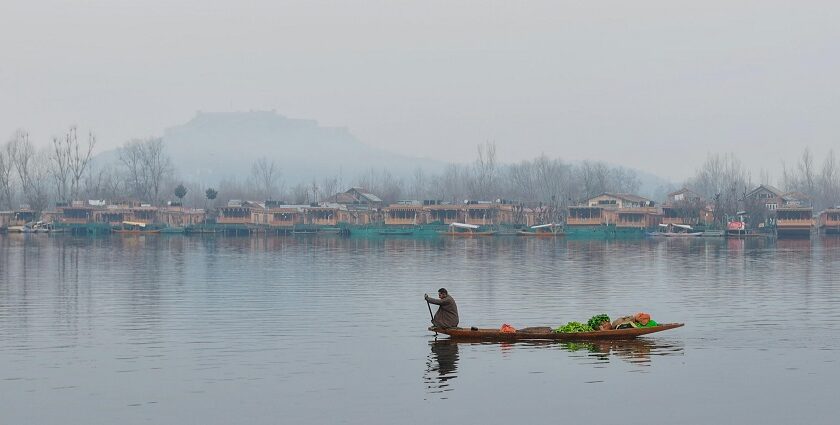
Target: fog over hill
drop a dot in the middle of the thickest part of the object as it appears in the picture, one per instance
(214, 146)
(218, 145)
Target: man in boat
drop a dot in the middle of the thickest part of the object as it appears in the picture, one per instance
(447, 314)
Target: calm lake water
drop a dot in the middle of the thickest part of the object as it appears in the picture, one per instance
(302, 330)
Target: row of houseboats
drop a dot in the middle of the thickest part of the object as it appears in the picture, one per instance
(358, 213)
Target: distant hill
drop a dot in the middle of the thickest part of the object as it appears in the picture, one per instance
(219, 145)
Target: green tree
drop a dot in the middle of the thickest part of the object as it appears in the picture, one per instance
(181, 192)
(211, 194)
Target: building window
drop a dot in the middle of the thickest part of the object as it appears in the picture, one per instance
(771, 207)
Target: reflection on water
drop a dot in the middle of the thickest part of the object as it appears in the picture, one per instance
(637, 351)
(441, 365)
(443, 359)
(219, 330)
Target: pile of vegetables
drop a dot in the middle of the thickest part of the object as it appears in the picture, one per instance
(592, 325)
(596, 320)
(573, 327)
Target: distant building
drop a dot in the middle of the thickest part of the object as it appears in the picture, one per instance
(356, 197)
(618, 201)
(683, 195)
(766, 195)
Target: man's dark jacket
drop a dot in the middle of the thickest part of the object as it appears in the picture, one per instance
(447, 314)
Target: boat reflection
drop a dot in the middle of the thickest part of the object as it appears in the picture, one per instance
(441, 365)
(442, 362)
(637, 351)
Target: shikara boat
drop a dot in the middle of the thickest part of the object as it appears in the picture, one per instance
(544, 230)
(400, 231)
(134, 228)
(497, 335)
(676, 231)
(466, 230)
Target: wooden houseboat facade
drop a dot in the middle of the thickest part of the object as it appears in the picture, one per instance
(829, 221)
(793, 222)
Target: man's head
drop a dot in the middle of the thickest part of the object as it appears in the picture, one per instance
(442, 293)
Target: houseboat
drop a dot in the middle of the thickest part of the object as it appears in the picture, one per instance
(830, 221)
(635, 221)
(794, 222)
(588, 222)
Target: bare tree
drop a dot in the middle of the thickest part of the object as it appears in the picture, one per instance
(724, 179)
(131, 156)
(31, 171)
(60, 166)
(315, 190)
(6, 176)
(79, 159)
(158, 165)
(266, 176)
(329, 186)
(418, 184)
(147, 168)
(829, 182)
(483, 181)
(102, 183)
(300, 194)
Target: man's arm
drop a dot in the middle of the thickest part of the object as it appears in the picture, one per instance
(437, 301)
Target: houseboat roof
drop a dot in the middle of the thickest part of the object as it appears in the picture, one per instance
(643, 210)
(767, 187)
(623, 196)
(445, 207)
(791, 208)
(296, 208)
(542, 226)
(683, 190)
(410, 207)
(134, 223)
(464, 225)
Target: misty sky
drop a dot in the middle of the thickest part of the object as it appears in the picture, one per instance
(653, 85)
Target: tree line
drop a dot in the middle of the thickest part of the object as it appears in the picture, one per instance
(67, 170)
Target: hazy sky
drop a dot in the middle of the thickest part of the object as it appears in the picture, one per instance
(649, 84)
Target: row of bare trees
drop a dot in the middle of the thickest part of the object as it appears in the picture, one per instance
(820, 182)
(142, 170)
(65, 171)
(26, 172)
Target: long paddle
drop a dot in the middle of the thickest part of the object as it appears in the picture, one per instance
(430, 313)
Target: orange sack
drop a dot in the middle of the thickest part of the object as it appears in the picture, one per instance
(642, 318)
(508, 329)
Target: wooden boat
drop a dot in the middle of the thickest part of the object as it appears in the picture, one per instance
(497, 335)
(134, 228)
(395, 232)
(467, 230)
(135, 231)
(676, 231)
(173, 230)
(544, 230)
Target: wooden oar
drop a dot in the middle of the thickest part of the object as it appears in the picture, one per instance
(430, 313)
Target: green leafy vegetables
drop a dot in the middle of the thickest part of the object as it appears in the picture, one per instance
(573, 327)
(592, 325)
(596, 320)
